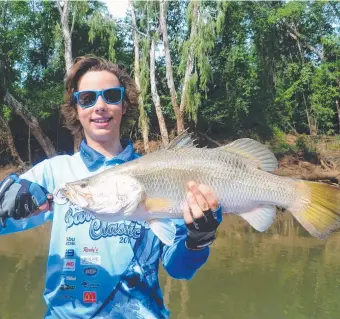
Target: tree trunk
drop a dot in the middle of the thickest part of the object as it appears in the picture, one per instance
(168, 64)
(143, 118)
(63, 7)
(10, 142)
(32, 123)
(296, 35)
(190, 60)
(29, 147)
(155, 97)
(312, 121)
(337, 104)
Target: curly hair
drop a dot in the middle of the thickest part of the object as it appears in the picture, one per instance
(89, 63)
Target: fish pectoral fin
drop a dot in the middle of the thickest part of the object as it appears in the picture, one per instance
(157, 205)
(164, 229)
(258, 153)
(261, 217)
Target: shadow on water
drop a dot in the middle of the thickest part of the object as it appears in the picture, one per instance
(283, 273)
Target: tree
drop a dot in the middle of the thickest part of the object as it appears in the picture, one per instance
(169, 73)
(64, 8)
(148, 30)
(143, 119)
(154, 93)
(7, 137)
(17, 11)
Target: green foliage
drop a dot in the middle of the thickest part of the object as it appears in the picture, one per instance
(278, 144)
(250, 76)
(6, 112)
(306, 145)
(104, 27)
(200, 44)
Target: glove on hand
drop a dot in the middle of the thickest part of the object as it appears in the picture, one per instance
(202, 232)
(19, 198)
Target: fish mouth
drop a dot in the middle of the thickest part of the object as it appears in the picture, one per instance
(78, 197)
(66, 194)
(61, 196)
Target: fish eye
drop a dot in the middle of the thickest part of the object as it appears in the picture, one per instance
(83, 185)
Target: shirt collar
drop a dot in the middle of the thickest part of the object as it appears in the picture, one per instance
(93, 159)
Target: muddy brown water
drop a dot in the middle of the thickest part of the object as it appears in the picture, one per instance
(283, 273)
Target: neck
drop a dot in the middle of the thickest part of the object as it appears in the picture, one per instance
(107, 148)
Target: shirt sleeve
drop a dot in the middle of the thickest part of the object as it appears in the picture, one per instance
(38, 174)
(179, 261)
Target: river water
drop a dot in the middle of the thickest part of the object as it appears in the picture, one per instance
(283, 273)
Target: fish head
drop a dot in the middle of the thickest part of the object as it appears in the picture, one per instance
(114, 194)
(79, 193)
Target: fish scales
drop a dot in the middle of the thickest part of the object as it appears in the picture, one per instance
(154, 188)
(168, 171)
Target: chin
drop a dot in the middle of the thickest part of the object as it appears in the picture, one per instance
(104, 136)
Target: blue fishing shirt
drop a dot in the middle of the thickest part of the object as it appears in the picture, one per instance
(97, 269)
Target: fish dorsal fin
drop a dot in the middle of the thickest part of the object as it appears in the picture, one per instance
(259, 154)
(261, 217)
(183, 140)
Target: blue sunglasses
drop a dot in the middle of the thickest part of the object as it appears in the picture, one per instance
(89, 98)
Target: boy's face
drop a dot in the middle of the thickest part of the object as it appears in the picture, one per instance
(101, 122)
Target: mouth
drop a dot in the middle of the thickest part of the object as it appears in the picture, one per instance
(78, 198)
(101, 120)
(60, 196)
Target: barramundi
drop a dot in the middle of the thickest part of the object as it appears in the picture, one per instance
(241, 174)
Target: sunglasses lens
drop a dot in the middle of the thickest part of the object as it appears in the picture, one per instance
(87, 98)
(113, 95)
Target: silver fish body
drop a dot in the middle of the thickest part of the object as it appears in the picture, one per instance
(238, 185)
(154, 187)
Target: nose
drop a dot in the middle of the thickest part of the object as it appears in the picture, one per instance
(100, 105)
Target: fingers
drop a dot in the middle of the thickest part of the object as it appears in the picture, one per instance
(38, 193)
(209, 196)
(200, 198)
(44, 207)
(186, 214)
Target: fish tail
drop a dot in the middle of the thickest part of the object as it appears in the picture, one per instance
(317, 208)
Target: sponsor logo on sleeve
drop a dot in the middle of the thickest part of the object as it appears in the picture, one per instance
(90, 260)
(69, 265)
(93, 250)
(90, 284)
(69, 278)
(69, 253)
(67, 287)
(90, 271)
(89, 296)
(70, 241)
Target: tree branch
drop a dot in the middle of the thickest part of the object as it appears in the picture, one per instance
(59, 7)
(134, 29)
(296, 35)
(74, 13)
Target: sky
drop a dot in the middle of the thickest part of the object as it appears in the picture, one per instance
(117, 7)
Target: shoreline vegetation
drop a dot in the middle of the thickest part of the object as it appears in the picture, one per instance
(307, 157)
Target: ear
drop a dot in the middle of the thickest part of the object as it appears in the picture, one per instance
(124, 108)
